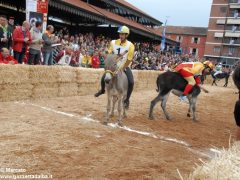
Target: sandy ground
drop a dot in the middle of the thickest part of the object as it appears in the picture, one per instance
(62, 136)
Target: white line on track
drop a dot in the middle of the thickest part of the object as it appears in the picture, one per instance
(148, 134)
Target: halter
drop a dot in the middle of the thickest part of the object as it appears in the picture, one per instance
(118, 59)
(111, 72)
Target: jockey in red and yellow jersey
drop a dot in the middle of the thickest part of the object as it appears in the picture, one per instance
(191, 71)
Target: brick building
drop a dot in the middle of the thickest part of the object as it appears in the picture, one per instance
(192, 39)
(223, 37)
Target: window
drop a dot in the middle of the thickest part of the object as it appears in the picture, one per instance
(194, 51)
(216, 49)
(179, 38)
(218, 38)
(223, 9)
(231, 51)
(195, 40)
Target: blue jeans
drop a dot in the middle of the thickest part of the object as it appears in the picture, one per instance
(19, 56)
(48, 58)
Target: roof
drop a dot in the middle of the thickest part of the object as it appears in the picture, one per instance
(108, 15)
(185, 30)
(129, 6)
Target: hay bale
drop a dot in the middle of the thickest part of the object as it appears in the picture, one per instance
(66, 74)
(43, 74)
(86, 75)
(15, 92)
(224, 166)
(68, 89)
(87, 89)
(14, 74)
(45, 90)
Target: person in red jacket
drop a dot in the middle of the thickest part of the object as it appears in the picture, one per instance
(21, 40)
(95, 60)
(5, 57)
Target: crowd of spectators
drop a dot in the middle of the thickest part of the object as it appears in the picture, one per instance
(29, 45)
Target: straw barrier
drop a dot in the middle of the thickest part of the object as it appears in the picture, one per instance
(20, 82)
(29, 82)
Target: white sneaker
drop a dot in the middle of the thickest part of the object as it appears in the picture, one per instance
(184, 99)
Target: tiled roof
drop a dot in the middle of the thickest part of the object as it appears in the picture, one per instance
(185, 30)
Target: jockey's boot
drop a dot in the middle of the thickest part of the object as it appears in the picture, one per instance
(126, 103)
(99, 93)
(183, 98)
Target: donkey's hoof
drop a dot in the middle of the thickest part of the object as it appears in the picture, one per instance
(120, 124)
(125, 116)
(188, 115)
(105, 123)
(168, 118)
(151, 118)
(195, 120)
(111, 115)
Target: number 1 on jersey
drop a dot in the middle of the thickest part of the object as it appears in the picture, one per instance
(118, 50)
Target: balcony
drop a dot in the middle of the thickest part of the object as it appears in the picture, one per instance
(233, 21)
(233, 1)
(218, 35)
(235, 6)
(232, 29)
(232, 34)
(221, 21)
(232, 42)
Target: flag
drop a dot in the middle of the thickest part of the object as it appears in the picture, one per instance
(163, 39)
(163, 42)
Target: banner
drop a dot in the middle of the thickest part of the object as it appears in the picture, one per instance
(38, 10)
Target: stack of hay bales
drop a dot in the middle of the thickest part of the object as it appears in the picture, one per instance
(45, 81)
(67, 79)
(14, 82)
(224, 166)
(145, 80)
(88, 80)
(23, 82)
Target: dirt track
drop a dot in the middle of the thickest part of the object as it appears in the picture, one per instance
(69, 146)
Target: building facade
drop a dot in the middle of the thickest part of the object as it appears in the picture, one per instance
(192, 39)
(223, 37)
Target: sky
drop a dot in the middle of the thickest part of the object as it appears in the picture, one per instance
(179, 12)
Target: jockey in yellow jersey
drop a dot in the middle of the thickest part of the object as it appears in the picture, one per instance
(120, 46)
(191, 72)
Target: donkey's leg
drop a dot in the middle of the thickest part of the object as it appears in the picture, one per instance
(114, 100)
(124, 109)
(193, 107)
(153, 103)
(120, 115)
(189, 111)
(108, 110)
(164, 102)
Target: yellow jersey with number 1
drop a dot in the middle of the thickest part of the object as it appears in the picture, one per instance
(117, 48)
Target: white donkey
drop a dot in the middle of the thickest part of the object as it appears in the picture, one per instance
(117, 86)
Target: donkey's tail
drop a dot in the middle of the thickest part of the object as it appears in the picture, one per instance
(158, 86)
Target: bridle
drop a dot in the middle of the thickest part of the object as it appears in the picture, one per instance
(114, 73)
(111, 72)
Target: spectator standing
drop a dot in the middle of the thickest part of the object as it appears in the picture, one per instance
(21, 40)
(95, 60)
(49, 39)
(87, 60)
(36, 45)
(3, 32)
(11, 24)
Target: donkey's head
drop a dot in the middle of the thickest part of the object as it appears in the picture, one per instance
(111, 67)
